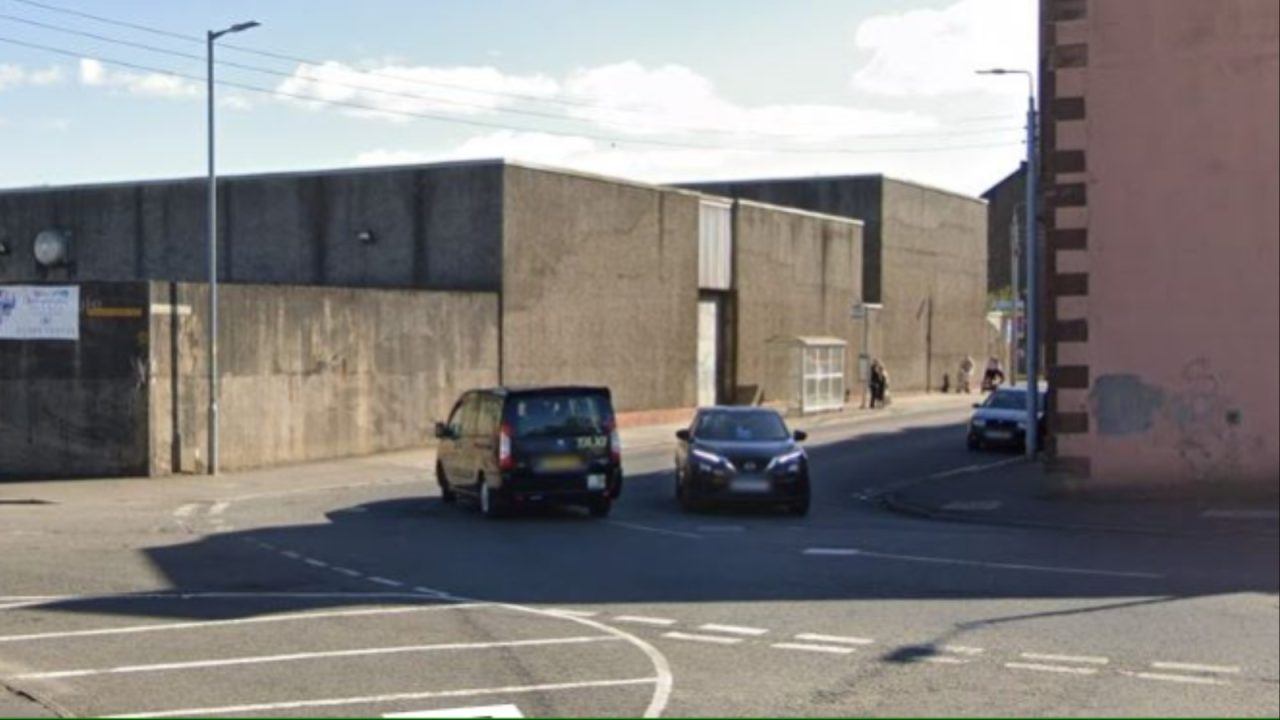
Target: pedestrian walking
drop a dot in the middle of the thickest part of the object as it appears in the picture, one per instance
(966, 375)
(879, 384)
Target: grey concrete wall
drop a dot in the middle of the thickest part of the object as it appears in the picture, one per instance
(924, 257)
(795, 273)
(311, 373)
(600, 286)
(857, 197)
(935, 287)
(72, 408)
(435, 227)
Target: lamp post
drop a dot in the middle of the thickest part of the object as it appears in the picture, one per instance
(212, 230)
(1033, 302)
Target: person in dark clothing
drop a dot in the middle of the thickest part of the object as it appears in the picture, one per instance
(879, 384)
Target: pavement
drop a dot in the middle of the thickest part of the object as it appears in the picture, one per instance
(348, 588)
(1009, 490)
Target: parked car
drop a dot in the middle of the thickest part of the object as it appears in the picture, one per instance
(741, 456)
(1001, 419)
(505, 448)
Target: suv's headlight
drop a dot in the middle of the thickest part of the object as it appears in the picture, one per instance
(979, 422)
(711, 460)
(789, 460)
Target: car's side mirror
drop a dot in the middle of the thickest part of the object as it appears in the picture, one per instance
(443, 432)
(683, 435)
(977, 405)
(800, 435)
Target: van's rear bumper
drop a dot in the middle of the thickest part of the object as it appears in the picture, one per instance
(567, 488)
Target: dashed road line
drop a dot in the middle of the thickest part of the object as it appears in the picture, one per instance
(396, 697)
(1195, 667)
(943, 660)
(657, 530)
(810, 647)
(694, 637)
(385, 581)
(815, 637)
(219, 507)
(1169, 677)
(733, 629)
(346, 571)
(318, 655)
(645, 620)
(132, 629)
(1052, 668)
(964, 649)
(186, 510)
(855, 552)
(291, 554)
(573, 613)
(1090, 659)
(316, 563)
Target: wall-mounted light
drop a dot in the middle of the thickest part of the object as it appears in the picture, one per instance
(366, 237)
(51, 248)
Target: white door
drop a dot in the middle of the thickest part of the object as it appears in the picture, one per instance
(708, 326)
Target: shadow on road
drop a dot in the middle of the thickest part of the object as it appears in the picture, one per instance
(562, 557)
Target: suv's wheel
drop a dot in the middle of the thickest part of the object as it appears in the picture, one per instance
(447, 495)
(599, 507)
(491, 503)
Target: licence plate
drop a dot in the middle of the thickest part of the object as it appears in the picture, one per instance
(749, 485)
(560, 463)
(595, 482)
(1000, 435)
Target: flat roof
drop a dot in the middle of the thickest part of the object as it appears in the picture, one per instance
(881, 177)
(363, 170)
(847, 219)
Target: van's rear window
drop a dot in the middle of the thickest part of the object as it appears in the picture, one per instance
(550, 415)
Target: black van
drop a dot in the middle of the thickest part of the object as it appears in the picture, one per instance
(508, 447)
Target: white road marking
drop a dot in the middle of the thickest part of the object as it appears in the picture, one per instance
(943, 660)
(813, 648)
(186, 510)
(1091, 659)
(346, 571)
(1191, 679)
(854, 552)
(129, 630)
(291, 554)
(721, 528)
(972, 468)
(385, 581)
(1195, 667)
(964, 649)
(1228, 514)
(316, 563)
(973, 505)
(573, 613)
(1052, 668)
(658, 530)
(733, 629)
(814, 637)
(478, 711)
(397, 697)
(318, 655)
(644, 620)
(219, 507)
(715, 639)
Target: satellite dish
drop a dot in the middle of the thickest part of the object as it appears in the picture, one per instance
(50, 248)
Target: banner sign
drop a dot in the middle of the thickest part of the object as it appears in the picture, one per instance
(39, 312)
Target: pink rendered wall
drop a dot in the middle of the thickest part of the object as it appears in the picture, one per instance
(1183, 305)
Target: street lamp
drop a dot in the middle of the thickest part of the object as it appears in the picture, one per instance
(210, 37)
(1033, 302)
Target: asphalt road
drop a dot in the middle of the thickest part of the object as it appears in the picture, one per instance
(356, 592)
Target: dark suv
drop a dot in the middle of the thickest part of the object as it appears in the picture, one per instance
(509, 447)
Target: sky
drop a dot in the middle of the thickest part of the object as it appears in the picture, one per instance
(650, 90)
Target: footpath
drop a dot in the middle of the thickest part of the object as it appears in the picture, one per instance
(1009, 490)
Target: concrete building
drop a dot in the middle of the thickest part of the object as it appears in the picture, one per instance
(924, 258)
(1161, 173)
(360, 302)
(1006, 211)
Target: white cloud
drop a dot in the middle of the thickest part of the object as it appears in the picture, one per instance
(13, 76)
(391, 91)
(94, 74)
(935, 52)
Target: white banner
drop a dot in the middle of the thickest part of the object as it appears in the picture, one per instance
(39, 312)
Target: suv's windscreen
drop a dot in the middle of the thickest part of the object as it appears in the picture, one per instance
(550, 415)
(740, 426)
(1009, 400)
